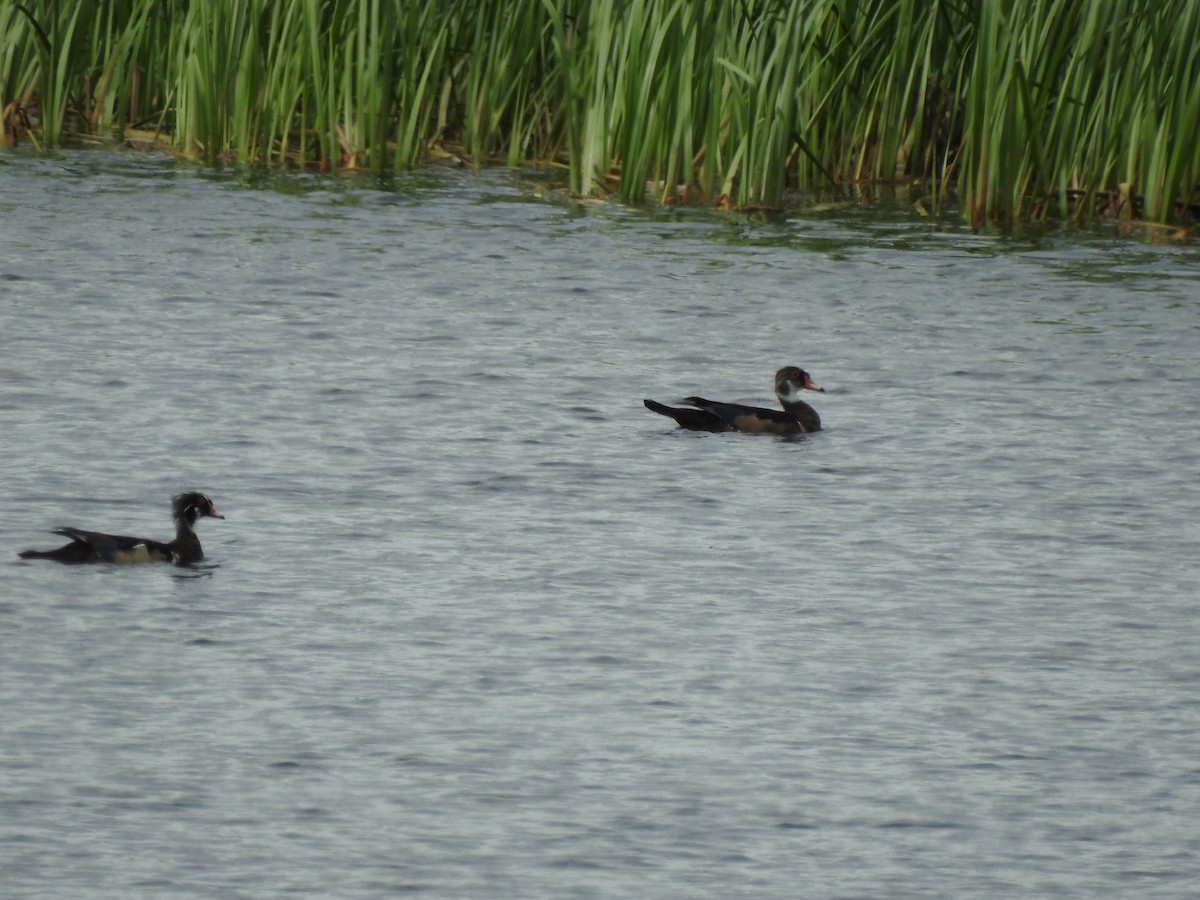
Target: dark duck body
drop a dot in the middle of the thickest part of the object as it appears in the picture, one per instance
(95, 546)
(796, 417)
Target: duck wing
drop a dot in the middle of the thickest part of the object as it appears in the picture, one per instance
(113, 548)
(750, 419)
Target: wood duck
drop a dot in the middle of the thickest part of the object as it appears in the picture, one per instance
(796, 417)
(94, 546)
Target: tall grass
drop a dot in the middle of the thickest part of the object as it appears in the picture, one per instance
(1015, 108)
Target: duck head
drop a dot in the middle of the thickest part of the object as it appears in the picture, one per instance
(790, 380)
(192, 505)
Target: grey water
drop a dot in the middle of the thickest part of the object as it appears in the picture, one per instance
(478, 624)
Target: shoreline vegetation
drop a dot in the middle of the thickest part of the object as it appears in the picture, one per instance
(1006, 109)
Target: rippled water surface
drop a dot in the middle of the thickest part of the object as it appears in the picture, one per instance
(478, 624)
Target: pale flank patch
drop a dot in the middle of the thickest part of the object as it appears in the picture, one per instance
(139, 554)
(755, 425)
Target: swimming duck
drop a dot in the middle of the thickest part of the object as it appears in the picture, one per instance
(94, 546)
(796, 417)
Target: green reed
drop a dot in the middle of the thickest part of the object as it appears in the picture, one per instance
(1011, 108)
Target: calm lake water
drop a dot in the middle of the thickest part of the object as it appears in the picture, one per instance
(478, 624)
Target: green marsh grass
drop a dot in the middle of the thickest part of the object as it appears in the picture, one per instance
(1011, 109)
